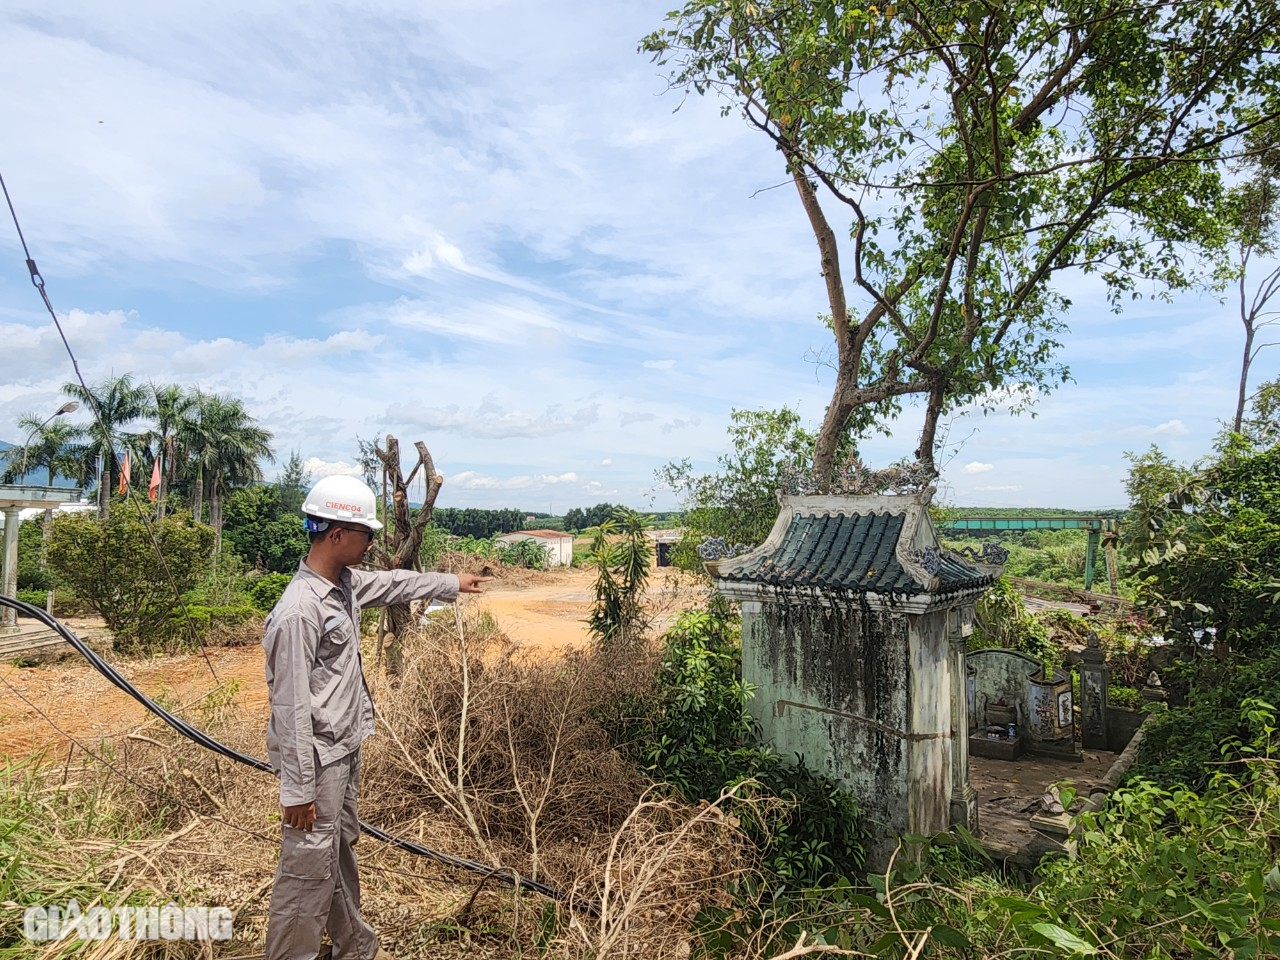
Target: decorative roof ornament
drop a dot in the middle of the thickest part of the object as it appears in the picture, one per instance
(715, 548)
(991, 554)
(930, 558)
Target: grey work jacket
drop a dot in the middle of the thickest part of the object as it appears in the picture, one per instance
(320, 705)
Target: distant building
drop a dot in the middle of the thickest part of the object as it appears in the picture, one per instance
(557, 543)
(664, 542)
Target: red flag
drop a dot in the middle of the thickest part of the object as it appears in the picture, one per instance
(124, 474)
(154, 490)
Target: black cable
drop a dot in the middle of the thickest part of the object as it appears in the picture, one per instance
(203, 739)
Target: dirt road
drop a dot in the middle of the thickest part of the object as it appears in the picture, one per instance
(545, 611)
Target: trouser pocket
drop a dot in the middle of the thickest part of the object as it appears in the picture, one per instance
(309, 855)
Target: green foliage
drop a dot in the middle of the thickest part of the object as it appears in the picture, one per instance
(1001, 620)
(985, 154)
(1127, 698)
(32, 573)
(263, 530)
(292, 484)
(112, 564)
(202, 617)
(580, 518)
(480, 524)
(1184, 745)
(434, 543)
(699, 738)
(266, 591)
(739, 502)
(34, 597)
(530, 554)
(621, 555)
(1195, 857)
(1211, 550)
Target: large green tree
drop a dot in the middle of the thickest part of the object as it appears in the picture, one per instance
(982, 152)
(1208, 539)
(114, 404)
(226, 445)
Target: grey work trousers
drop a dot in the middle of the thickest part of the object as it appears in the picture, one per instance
(317, 887)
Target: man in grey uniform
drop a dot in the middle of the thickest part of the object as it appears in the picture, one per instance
(321, 712)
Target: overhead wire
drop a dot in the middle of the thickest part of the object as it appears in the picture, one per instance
(37, 280)
(181, 726)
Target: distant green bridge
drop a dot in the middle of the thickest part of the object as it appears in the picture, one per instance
(1103, 532)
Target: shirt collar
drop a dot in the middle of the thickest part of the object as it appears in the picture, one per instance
(321, 586)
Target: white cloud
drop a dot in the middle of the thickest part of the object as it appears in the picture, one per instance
(1000, 488)
(325, 468)
(680, 423)
(1172, 428)
(977, 466)
(472, 480)
(659, 364)
(607, 462)
(492, 420)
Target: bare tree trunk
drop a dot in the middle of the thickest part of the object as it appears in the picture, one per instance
(197, 496)
(402, 538)
(105, 479)
(215, 512)
(929, 432)
(1243, 394)
(838, 413)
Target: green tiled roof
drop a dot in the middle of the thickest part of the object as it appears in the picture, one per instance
(856, 552)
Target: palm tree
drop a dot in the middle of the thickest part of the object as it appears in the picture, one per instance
(225, 444)
(114, 403)
(52, 445)
(173, 409)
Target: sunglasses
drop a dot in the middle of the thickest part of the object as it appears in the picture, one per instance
(365, 530)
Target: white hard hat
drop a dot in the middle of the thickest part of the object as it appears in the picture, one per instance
(342, 498)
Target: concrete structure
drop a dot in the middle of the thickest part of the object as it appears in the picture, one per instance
(664, 542)
(1041, 709)
(854, 631)
(13, 500)
(557, 543)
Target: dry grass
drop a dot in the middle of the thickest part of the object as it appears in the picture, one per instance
(482, 752)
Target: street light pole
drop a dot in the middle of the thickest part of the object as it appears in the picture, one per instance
(71, 406)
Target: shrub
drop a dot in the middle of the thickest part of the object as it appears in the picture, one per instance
(523, 553)
(699, 738)
(218, 623)
(1184, 744)
(266, 591)
(112, 564)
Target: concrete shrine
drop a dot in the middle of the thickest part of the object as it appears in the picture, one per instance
(854, 627)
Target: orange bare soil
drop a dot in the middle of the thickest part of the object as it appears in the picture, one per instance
(543, 611)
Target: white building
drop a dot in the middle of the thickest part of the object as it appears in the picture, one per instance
(557, 543)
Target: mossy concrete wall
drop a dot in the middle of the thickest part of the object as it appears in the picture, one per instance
(864, 697)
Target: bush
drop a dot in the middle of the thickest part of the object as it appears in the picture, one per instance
(112, 564)
(699, 738)
(34, 597)
(266, 591)
(1184, 744)
(218, 623)
(530, 554)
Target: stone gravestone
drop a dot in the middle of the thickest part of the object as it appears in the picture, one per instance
(854, 632)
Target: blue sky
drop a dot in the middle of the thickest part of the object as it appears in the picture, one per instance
(483, 225)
